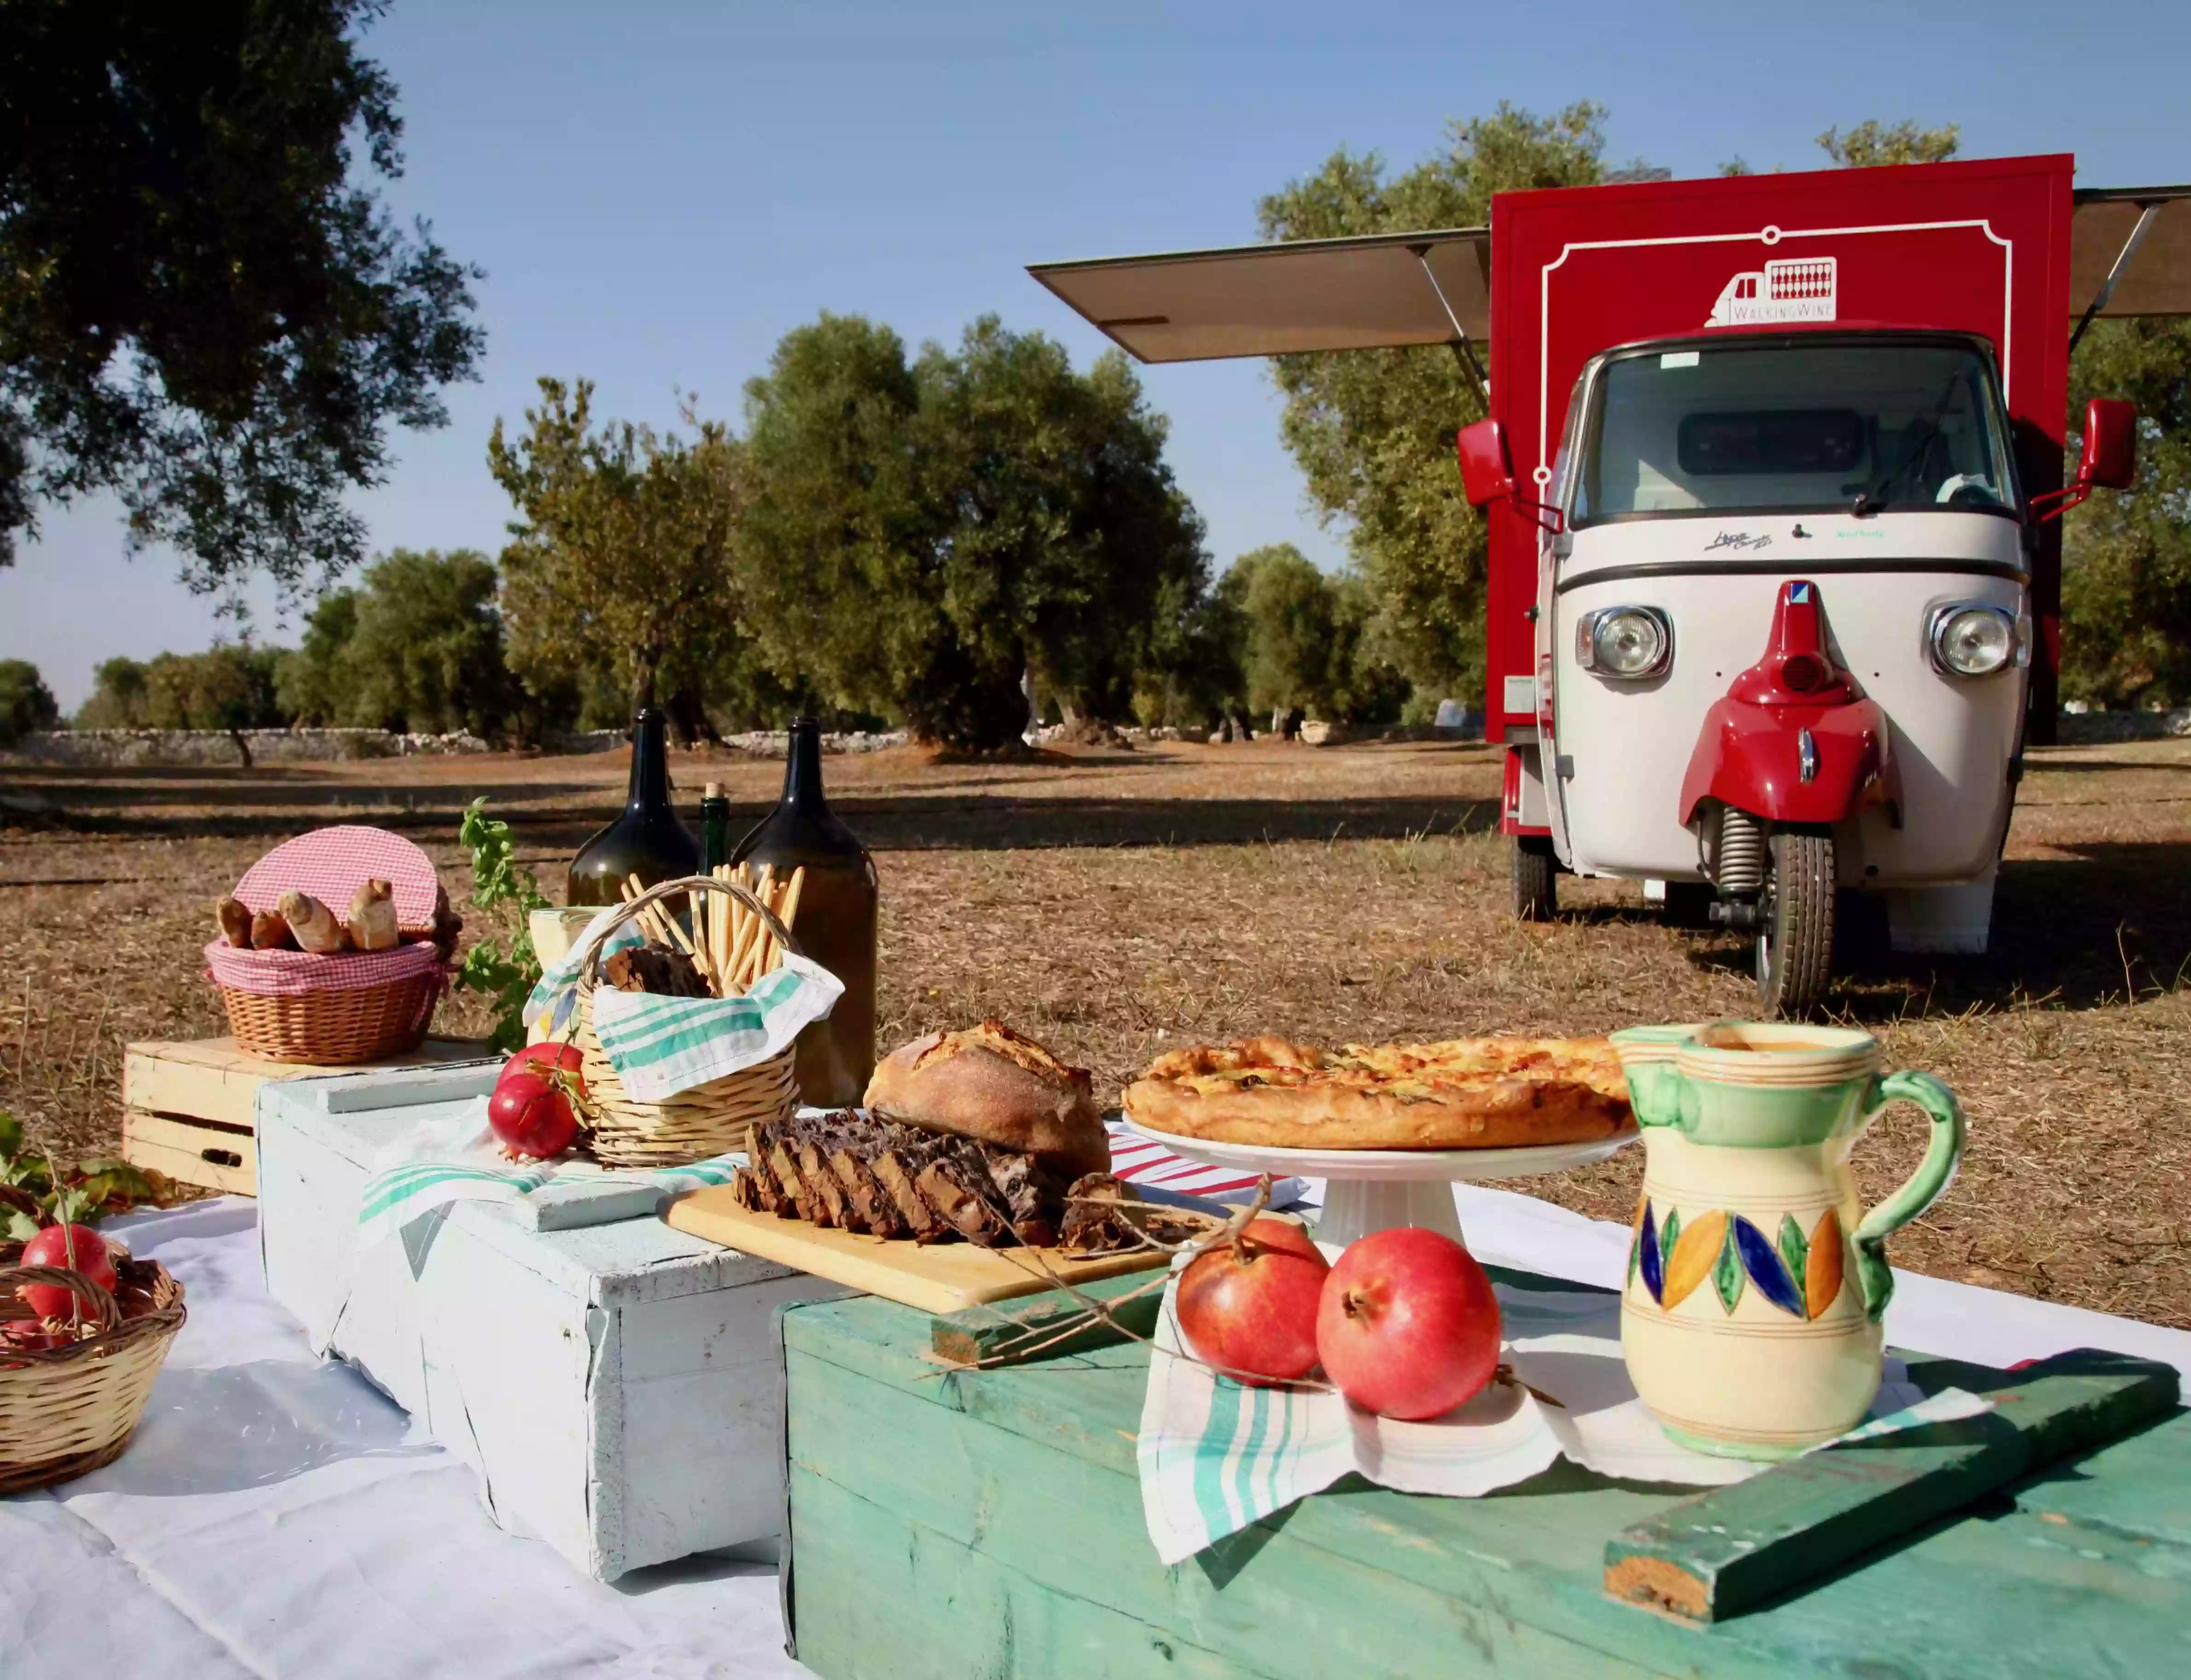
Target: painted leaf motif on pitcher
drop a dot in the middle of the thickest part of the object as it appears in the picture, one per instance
(1726, 1269)
(1693, 1256)
(1822, 1271)
(1765, 1269)
(1795, 1249)
(1646, 1252)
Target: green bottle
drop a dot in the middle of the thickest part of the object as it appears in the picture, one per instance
(647, 840)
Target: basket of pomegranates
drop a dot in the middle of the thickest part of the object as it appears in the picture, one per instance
(83, 1331)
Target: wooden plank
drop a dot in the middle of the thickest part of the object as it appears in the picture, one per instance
(1025, 1329)
(944, 1277)
(192, 1167)
(219, 1157)
(1730, 1550)
(1033, 1465)
(210, 1079)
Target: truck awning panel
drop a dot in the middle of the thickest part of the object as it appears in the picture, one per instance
(2141, 236)
(1435, 287)
(1259, 300)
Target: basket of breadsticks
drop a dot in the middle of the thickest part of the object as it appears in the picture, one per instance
(684, 1002)
(333, 948)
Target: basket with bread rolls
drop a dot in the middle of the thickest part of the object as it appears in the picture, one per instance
(333, 948)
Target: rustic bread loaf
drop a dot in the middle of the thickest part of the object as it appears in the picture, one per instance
(990, 1084)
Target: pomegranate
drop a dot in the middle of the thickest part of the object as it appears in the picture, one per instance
(1408, 1327)
(541, 1058)
(531, 1116)
(77, 1247)
(1250, 1306)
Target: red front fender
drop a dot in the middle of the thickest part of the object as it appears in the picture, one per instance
(1751, 756)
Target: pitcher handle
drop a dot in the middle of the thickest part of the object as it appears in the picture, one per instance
(1944, 1153)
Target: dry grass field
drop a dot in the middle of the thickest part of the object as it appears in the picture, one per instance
(1118, 903)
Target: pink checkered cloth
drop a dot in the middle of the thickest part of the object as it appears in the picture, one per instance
(332, 863)
(291, 974)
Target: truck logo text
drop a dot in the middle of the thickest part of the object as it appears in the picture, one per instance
(1791, 288)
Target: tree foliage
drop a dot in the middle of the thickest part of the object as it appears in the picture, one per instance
(620, 557)
(417, 647)
(25, 702)
(1310, 640)
(2126, 555)
(229, 687)
(1373, 431)
(922, 534)
(1871, 144)
(203, 305)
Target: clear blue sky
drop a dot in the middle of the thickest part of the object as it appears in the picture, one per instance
(658, 190)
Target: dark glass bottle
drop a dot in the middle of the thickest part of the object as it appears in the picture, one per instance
(714, 827)
(836, 924)
(647, 840)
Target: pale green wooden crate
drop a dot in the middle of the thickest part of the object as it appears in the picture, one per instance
(989, 1523)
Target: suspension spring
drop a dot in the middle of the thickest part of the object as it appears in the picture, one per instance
(1739, 866)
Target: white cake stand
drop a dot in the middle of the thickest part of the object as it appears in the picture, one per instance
(1368, 1190)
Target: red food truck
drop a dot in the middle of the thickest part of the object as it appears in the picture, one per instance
(1771, 466)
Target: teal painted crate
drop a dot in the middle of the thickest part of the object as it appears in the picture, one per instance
(989, 1523)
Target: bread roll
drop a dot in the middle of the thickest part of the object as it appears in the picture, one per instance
(990, 1084)
(269, 932)
(313, 923)
(235, 923)
(372, 916)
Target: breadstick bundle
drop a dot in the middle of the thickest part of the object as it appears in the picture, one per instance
(729, 949)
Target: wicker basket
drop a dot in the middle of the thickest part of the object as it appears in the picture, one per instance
(67, 1410)
(335, 1028)
(708, 1120)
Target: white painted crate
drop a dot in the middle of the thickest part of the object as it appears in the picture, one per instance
(617, 1387)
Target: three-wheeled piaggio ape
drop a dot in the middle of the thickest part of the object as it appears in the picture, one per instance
(1771, 466)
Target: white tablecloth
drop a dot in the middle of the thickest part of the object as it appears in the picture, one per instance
(276, 1517)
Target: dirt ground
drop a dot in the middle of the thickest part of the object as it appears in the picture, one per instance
(1116, 904)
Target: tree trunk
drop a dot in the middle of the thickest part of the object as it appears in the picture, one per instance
(242, 746)
(645, 668)
(690, 720)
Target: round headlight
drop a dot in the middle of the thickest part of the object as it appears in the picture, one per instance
(1629, 642)
(1974, 641)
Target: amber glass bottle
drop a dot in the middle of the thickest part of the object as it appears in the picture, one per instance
(647, 840)
(836, 924)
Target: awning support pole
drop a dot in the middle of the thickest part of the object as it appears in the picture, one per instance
(2146, 214)
(1464, 352)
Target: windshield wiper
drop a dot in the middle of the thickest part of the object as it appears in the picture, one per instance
(1873, 497)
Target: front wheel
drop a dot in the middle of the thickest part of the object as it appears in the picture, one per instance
(1795, 925)
(1536, 878)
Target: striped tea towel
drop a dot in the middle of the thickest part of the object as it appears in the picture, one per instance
(456, 1159)
(1136, 1160)
(1216, 1456)
(660, 1046)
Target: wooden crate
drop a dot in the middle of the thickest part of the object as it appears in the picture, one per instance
(990, 1522)
(188, 1107)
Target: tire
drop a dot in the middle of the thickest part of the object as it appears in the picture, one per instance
(1688, 904)
(1536, 878)
(1795, 926)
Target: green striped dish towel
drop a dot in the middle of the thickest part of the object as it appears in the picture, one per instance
(660, 1046)
(1216, 1456)
(456, 1159)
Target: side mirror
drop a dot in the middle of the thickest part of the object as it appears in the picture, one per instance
(2110, 454)
(1486, 470)
(2108, 461)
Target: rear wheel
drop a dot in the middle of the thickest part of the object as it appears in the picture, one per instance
(1536, 878)
(1795, 925)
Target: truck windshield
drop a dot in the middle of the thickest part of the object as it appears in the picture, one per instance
(1862, 425)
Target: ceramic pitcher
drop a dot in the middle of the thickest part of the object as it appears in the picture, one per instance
(1756, 1281)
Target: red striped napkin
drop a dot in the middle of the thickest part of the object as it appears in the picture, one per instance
(1136, 1160)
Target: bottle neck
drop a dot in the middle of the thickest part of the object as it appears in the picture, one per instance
(650, 765)
(802, 769)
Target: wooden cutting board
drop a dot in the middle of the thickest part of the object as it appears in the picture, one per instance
(944, 1277)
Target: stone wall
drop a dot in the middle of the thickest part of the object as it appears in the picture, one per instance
(108, 749)
(2093, 728)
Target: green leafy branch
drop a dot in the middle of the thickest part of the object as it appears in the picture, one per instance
(510, 894)
(35, 1193)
